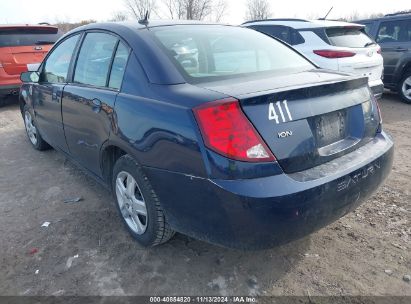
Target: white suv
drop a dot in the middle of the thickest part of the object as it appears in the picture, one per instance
(333, 45)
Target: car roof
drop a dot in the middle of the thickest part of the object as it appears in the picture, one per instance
(155, 62)
(303, 24)
(389, 17)
(30, 26)
(135, 25)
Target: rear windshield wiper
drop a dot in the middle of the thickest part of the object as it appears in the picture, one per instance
(44, 42)
(369, 44)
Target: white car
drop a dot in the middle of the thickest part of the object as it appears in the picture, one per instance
(333, 45)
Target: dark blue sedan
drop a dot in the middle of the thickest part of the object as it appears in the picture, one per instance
(217, 132)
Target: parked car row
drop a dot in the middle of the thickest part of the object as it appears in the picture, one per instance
(340, 46)
(218, 132)
(332, 45)
(346, 47)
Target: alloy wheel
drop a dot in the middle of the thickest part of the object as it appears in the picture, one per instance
(131, 202)
(30, 128)
(406, 88)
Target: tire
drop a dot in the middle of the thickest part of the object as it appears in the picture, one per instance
(404, 87)
(152, 228)
(32, 132)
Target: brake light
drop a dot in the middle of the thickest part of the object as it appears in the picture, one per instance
(377, 105)
(227, 131)
(333, 54)
(379, 110)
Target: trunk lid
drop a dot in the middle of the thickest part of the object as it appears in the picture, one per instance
(311, 118)
(15, 59)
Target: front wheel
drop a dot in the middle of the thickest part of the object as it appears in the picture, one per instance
(405, 87)
(32, 132)
(138, 205)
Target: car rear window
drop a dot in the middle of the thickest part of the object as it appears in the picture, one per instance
(205, 53)
(348, 37)
(28, 36)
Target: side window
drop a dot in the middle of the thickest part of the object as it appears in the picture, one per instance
(58, 62)
(284, 33)
(119, 66)
(393, 31)
(277, 31)
(296, 37)
(94, 59)
(367, 28)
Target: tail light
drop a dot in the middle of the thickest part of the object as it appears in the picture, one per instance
(379, 111)
(379, 50)
(227, 131)
(333, 54)
(375, 101)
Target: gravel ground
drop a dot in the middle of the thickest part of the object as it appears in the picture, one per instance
(86, 251)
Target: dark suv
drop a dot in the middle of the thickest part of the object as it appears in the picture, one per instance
(393, 33)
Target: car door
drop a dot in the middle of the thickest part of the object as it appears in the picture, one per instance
(47, 93)
(393, 37)
(88, 101)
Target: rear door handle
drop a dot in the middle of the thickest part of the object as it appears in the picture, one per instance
(96, 105)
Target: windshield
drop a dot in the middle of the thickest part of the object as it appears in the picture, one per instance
(348, 37)
(208, 52)
(28, 36)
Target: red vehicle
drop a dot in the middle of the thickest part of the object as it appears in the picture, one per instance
(21, 45)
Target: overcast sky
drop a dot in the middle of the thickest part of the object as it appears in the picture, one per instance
(34, 11)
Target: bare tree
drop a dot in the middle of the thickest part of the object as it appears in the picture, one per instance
(258, 9)
(175, 8)
(355, 15)
(195, 9)
(139, 8)
(65, 26)
(219, 10)
(119, 16)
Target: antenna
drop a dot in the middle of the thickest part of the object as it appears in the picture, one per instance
(325, 17)
(145, 20)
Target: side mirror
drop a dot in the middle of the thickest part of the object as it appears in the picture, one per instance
(30, 77)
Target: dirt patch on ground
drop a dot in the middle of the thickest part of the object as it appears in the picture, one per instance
(86, 251)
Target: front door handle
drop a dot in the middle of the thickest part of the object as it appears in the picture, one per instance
(96, 105)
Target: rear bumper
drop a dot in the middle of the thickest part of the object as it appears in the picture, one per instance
(269, 211)
(9, 84)
(6, 90)
(377, 88)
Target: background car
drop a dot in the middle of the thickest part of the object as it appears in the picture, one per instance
(333, 45)
(393, 34)
(21, 45)
(217, 132)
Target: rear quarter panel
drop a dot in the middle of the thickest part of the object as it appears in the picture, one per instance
(158, 134)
